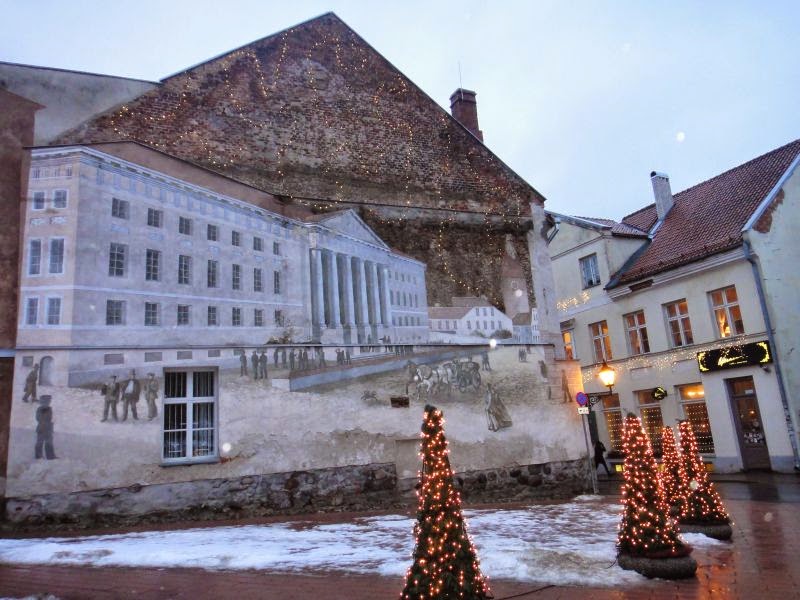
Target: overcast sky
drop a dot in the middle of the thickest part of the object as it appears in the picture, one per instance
(583, 99)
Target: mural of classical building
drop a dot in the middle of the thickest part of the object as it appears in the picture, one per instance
(229, 272)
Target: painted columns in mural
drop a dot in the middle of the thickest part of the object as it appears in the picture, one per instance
(346, 290)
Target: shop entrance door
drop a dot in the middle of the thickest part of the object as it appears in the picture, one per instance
(749, 427)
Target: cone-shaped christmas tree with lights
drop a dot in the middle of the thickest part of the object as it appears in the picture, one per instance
(673, 476)
(703, 511)
(648, 541)
(445, 561)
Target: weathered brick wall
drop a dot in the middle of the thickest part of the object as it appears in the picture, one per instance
(315, 113)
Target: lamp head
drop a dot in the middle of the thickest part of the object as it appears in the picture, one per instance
(607, 375)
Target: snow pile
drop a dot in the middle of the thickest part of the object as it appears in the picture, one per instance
(560, 544)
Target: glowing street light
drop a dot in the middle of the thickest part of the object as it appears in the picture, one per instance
(607, 376)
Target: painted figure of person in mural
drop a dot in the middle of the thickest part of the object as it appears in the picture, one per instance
(284, 362)
(44, 430)
(485, 361)
(292, 359)
(254, 363)
(262, 365)
(275, 358)
(496, 412)
(30, 384)
(110, 393)
(131, 392)
(243, 364)
(151, 395)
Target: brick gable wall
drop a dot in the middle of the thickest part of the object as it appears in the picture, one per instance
(315, 113)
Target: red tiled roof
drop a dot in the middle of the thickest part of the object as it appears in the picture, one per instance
(623, 229)
(708, 218)
(643, 219)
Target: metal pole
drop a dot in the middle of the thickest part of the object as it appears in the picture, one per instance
(592, 468)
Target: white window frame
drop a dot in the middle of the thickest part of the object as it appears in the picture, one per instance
(236, 237)
(39, 260)
(188, 312)
(212, 228)
(602, 338)
(686, 401)
(158, 221)
(680, 319)
(236, 276)
(258, 279)
(637, 330)
(38, 194)
(726, 306)
(157, 321)
(123, 208)
(215, 311)
(589, 277)
(47, 310)
(66, 198)
(236, 316)
(190, 401)
(50, 255)
(26, 318)
(152, 268)
(258, 244)
(113, 266)
(276, 248)
(258, 317)
(122, 311)
(184, 269)
(570, 351)
(185, 223)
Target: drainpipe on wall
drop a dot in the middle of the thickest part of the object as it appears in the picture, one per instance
(762, 300)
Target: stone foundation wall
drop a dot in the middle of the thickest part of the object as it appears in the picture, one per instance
(350, 488)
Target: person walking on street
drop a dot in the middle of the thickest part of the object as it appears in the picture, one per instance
(599, 459)
(30, 384)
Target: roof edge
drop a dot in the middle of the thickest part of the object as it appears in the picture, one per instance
(77, 72)
(764, 204)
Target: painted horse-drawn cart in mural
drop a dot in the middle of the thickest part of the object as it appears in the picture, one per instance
(429, 381)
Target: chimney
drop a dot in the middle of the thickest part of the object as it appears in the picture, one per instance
(662, 193)
(464, 109)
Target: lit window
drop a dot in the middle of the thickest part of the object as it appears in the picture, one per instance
(60, 199)
(652, 421)
(590, 274)
(600, 341)
(678, 323)
(56, 256)
(693, 401)
(185, 225)
(569, 345)
(116, 260)
(727, 314)
(613, 418)
(152, 265)
(184, 269)
(120, 209)
(155, 218)
(151, 313)
(636, 327)
(189, 416)
(115, 312)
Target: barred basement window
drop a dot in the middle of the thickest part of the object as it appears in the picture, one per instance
(189, 427)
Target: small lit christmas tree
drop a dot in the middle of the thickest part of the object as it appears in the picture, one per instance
(703, 505)
(673, 476)
(646, 529)
(445, 561)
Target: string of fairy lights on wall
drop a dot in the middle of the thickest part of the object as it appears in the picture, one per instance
(234, 85)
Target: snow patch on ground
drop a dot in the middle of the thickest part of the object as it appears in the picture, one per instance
(571, 543)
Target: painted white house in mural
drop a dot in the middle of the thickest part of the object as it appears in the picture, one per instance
(469, 319)
(116, 251)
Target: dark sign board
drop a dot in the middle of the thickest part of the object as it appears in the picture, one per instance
(753, 354)
(658, 394)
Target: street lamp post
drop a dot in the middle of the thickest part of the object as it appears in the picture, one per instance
(608, 377)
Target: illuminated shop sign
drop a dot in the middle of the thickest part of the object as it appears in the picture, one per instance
(746, 355)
